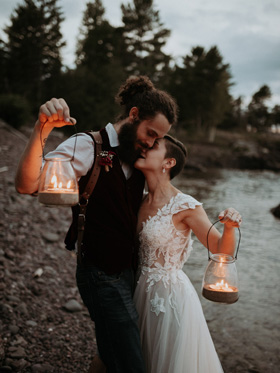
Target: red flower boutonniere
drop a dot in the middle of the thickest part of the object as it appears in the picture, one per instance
(106, 159)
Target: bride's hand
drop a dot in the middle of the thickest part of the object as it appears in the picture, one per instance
(230, 217)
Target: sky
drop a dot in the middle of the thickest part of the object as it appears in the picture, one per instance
(246, 32)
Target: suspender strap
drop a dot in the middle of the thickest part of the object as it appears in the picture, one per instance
(88, 189)
(96, 168)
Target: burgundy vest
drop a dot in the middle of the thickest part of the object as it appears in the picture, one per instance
(111, 217)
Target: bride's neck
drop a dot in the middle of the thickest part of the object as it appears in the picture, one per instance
(159, 187)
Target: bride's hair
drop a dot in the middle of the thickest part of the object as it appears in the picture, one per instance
(177, 150)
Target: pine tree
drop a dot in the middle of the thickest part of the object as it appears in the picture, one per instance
(201, 87)
(33, 49)
(144, 36)
(258, 115)
(99, 69)
(3, 68)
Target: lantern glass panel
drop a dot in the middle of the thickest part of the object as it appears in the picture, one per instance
(220, 282)
(58, 183)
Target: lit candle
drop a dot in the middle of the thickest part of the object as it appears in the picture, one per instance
(220, 286)
(57, 195)
(220, 292)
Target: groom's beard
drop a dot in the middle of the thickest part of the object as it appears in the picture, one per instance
(128, 139)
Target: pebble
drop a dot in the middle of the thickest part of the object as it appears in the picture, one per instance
(31, 323)
(13, 299)
(50, 237)
(9, 254)
(16, 352)
(42, 368)
(13, 329)
(72, 306)
(22, 308)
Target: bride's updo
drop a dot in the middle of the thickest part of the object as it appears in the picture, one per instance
(140, 92)
(177, 150)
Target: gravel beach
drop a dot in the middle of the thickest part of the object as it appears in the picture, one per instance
(44, 326)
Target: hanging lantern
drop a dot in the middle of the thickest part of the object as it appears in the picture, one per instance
(58, 183)
(220, 281)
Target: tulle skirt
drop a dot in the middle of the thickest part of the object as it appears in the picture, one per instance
(174, 333)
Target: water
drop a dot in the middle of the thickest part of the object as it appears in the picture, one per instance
(246, 334)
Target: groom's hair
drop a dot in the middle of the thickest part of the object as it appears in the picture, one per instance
(140, 92)
(177, 150)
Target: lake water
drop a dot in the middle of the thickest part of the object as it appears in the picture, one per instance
(246, 334)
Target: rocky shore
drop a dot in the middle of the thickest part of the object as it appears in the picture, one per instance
(235, 151)
(44, 326)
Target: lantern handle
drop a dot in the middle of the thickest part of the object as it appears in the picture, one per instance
(74, 148)
(208, 236)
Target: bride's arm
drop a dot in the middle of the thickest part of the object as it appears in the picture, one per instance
(200, 224)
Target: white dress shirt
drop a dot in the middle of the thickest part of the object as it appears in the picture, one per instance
(84, 151)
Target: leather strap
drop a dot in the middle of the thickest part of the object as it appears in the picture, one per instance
(88, 190)
(96, 168)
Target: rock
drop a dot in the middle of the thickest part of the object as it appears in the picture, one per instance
(5, 368)
(5, 309)
(13, 329)
(276, 211)
(13, 299)
(50, 270)
(22, 308)
(31, 323)
(2, 350)
(18, 353)
(72, 306)
(9, 254)
(50, 237)
(44, 368)
(20, 341)
(38, 272)
(18, 365)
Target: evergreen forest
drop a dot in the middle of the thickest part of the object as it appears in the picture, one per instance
(32, 70)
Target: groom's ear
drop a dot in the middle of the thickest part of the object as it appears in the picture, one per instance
(133, 114)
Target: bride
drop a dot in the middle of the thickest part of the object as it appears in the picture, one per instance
(174, 334)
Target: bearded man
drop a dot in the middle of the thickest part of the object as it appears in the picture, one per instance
(106, 263)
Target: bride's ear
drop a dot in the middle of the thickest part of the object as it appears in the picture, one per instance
(169, 163)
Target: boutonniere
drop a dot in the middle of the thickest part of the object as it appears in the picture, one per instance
(106, 159)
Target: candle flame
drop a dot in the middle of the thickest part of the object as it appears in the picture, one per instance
(54, 179)
(222, 284)
(60, 185)
(69, 184)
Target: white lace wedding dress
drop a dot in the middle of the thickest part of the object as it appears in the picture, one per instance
(174, 334)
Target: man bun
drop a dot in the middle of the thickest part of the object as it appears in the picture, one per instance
(132, 87)
(140, 92)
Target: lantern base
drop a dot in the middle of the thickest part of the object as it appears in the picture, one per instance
(220, 296)
(58, 199)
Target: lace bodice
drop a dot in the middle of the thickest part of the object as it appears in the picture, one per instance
(163, 246)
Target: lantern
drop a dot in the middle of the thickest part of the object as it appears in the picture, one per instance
(58, 183)
(220, 281)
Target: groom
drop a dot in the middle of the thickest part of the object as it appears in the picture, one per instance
(105, 271)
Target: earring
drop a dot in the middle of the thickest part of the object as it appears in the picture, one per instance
(163, 170)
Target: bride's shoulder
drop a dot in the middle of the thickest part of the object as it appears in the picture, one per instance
(184, 201)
